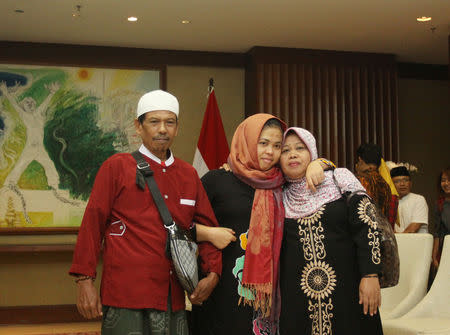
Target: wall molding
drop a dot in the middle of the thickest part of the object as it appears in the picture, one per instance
(40, 314)
(140, 58)
(116, 57)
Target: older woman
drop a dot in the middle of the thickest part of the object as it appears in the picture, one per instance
(330, 256)
(248, 200)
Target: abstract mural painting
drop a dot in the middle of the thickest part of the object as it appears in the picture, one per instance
(57, 126)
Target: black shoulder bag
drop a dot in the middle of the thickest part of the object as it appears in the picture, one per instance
(179, 245)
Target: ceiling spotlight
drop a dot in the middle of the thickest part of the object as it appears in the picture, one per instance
(132, 19)
(185, 21)
(77, 12)
(20, 11)
(424, 19)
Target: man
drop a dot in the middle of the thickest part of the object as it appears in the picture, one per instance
(140, 292)
(413, 208)
(368, 157)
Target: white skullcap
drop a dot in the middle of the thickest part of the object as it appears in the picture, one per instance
(157, 101)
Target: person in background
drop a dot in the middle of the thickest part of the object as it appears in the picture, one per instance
(368, 156)
(330, 257)
(441, 222)
(412, 208)
(140, 292)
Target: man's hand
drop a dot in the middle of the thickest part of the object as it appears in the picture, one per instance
(413, 227)
(314, 174)
(88, 300)
(370, 295)
(204, 288)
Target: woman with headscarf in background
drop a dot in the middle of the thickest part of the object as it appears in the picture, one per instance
(330, 258)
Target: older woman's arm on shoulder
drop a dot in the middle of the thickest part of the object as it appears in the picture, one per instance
(314, 172)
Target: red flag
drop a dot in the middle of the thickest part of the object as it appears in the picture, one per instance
(212, 147)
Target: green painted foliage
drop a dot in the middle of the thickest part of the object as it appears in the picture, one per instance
(75, 143)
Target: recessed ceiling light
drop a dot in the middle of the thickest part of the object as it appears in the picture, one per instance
(20, 11)
(424, 18)
(185, 21)
(132, 19)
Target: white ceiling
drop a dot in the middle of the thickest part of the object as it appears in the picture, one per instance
(386, 26)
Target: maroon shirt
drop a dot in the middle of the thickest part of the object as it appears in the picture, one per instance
(136, 271)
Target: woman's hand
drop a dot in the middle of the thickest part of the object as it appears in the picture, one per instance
(220, 237)
(314, 174)
(370, 295)
(435, 254)
(226, 167)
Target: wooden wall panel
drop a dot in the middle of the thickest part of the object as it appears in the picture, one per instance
(344, 99)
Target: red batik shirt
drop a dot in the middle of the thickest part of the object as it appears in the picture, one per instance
(136, 271)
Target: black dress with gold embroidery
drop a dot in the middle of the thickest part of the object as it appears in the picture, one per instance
(323, 258)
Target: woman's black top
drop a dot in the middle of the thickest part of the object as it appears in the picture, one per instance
(323, 258)
(231, 200)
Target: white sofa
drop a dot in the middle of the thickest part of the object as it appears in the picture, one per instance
(432, 315)
(415, 259)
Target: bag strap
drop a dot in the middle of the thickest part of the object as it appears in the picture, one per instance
(348, 195)
(144, 168)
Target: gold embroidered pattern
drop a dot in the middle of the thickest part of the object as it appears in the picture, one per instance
(318, 278)
(367, 214)
(313, 239)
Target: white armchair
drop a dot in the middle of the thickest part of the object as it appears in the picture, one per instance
(415, 259)
(432, 314)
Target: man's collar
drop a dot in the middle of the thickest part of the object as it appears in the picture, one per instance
(405, 196)
(169, 161)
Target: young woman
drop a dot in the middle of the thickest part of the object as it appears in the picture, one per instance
(248, 200)
(442, 215)
(330, 256)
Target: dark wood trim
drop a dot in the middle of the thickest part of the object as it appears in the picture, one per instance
(38, 231)
(40, 314)
(273, 55)
(115, 57)
(423, 71)
(22, 248)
